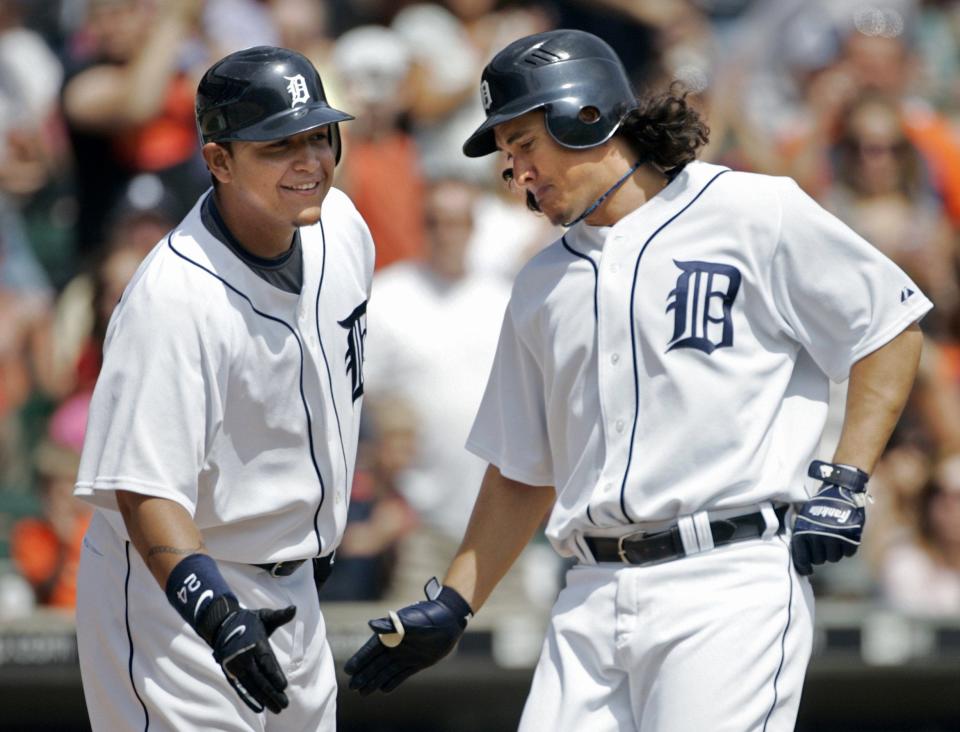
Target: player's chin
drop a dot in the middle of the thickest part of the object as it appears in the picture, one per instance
(555, 216)
(307, 215)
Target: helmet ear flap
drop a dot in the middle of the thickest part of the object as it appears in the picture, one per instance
(578, 126)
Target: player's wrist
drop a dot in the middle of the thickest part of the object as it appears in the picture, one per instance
(200, 594)
(450, 599)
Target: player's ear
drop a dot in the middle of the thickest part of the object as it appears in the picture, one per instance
(219, 159)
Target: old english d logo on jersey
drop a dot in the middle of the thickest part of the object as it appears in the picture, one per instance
(297, 89)
(356, 326)
(701, 303)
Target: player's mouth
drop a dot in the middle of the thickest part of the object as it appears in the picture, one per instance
(303, 189)
(542, 192)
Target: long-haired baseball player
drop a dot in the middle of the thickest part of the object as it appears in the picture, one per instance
(223, 427)
(659, 391)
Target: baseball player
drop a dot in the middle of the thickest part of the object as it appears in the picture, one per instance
(223, 427)
(659, 390)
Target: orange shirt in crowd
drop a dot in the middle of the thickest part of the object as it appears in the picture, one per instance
(386, 186)
(46, 563)
(168, 139)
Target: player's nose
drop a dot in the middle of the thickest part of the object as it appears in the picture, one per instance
(523, 172)
(310, 156)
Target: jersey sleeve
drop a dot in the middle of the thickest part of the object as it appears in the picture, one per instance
(510, 430)
(838, 295)
(148, 420)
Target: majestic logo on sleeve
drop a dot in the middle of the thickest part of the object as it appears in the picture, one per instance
(701, 303)
(297, 89)
(356, 327)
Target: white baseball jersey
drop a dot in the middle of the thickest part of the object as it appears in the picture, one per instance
(679, 360)
(234, 398)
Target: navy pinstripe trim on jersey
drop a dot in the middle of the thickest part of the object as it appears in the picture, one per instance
(596, 273)
(783, 637)
(333, 399)
(126, 620)
(596, 309)
(303, 396)
(633, 342)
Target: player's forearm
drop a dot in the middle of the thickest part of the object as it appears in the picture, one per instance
(879, 386)
(505, 517)
(161, 531)
(104, 97)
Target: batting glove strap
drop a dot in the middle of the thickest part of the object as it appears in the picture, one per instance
(409, 640)
(845, 476)
(214, 615)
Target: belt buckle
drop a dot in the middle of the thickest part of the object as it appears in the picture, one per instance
(275, 569)
(623, 552)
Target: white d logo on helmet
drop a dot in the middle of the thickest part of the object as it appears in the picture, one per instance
(485, 96)
(297, 88)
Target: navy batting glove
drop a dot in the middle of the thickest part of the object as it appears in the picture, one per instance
(238, 637)
(829, 525)
(408, 641)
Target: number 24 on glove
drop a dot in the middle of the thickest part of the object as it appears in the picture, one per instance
(829, 525)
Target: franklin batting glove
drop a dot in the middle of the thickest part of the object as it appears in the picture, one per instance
(409, 640)
(829, 525)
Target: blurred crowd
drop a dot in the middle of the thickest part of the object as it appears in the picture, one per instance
(859, 102)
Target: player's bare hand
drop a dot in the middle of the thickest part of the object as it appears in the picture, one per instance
(830, 524)
(409, 640)
(239, 639)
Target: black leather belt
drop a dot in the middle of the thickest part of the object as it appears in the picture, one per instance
(282, 569)
(662, 546)
(322, 566)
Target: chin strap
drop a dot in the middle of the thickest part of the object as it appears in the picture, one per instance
(596, 204)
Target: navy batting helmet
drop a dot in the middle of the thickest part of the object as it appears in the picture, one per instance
(563, 71)
(263, 93)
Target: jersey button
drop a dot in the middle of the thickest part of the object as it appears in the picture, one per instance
(620, 425)
(615, 358)
(614, 267)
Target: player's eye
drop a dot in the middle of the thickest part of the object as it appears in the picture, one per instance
(507, 175)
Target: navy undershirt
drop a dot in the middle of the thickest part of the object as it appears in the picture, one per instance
(285, 271)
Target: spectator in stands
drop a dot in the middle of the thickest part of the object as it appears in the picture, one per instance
(26, 299)
(46, 549)
(450, 43)
(143, 215)
(432, 332)
(378, 517)
(302, 25)
(383, 178)
(30, 77)
(920, 575)
(128, 105)
(881, 189)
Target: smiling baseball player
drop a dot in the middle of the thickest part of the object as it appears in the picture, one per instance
(660, 387)
(223, 428)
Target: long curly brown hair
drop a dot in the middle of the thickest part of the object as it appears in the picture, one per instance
(665, 130)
